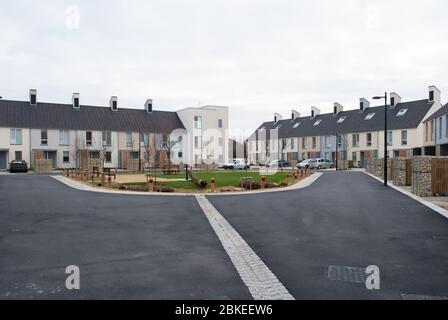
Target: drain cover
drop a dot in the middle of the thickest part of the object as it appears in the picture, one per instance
(348, 274)
(421, 297)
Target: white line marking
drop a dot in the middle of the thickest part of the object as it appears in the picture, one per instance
(429, 204)
(261, 282)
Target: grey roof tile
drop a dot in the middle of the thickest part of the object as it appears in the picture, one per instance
(62, 116)
(355, 121)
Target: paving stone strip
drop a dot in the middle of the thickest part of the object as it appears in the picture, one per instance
(262, 283)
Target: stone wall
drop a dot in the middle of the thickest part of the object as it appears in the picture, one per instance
(399, 171)
(422, 176)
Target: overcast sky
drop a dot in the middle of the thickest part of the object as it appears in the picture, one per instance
(257, 57)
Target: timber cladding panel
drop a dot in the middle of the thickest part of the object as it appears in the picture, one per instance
(440, 176)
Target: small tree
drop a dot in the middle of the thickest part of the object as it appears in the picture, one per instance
(170, 145)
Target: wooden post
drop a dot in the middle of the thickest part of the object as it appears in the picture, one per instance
(109, 181)
(103, 178)
(212, 184)
(150, 183)
(262, 182)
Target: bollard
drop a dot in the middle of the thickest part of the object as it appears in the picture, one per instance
(93, 178)
(150, 182)
(263, 182)
(212, 184)
(109, 181)
(103, 178)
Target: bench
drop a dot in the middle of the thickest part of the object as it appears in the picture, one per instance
(173, 169)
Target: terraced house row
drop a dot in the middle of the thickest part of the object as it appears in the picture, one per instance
(73, 133)
(415, 128)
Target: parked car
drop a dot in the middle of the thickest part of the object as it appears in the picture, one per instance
(323, 164)
(18, 166)
(237, 164)
(278, 163)
(306, 164)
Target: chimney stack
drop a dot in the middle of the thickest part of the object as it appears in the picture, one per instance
(295, 115)
(364, 104)
(435, 95)
(394, 99)
(75, 100)
(148, 106)
(337, 107)
(277, 117)
(314, 112)
(113, 103)
(33, 97)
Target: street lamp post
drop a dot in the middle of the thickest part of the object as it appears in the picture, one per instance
(385, 134)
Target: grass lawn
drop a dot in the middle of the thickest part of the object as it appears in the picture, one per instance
(224, 179)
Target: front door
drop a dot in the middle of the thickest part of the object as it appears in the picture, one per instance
(3, 160)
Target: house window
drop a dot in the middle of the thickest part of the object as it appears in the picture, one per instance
(369, 139)
(296, 125)
(304, 144)
(355, 140)
(292, 144)
(369, 116)
(431, 95)
(64, 137)
(15, 136)
(440, 128)
(197, 122)
(198, 142)
(341, 119)
(404, 137)
(426, 131)
(354, 156)
(389, 138)
(18, 155)
(107, 138)
(88, 138)
(128, 139)
(144, 139)
(317, 122)
(94, 155)
(220, 140)
(108, 157)
(219, 123)
(44, 137)
(327, 141)
(314, 142)
(402, 112)
(65, 157)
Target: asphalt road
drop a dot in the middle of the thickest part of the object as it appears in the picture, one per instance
(127, 247)
(158, 247)
(344, 219)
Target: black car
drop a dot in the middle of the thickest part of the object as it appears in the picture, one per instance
(18, 166)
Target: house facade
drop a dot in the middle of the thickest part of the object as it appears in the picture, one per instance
(72, 134)
(350, 135)
(436, 132)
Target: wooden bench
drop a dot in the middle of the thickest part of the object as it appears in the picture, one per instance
(173, 169)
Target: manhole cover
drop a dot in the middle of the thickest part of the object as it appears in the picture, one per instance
(348, 274)
(421, 297)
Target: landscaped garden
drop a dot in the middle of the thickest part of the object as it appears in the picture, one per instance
(223, 181)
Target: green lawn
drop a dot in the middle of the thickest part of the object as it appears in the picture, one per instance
(223, 179)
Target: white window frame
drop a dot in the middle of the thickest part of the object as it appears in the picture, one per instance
(369, 116)
(15, 137)
(197, 122)
(64, 137)
(404, 142)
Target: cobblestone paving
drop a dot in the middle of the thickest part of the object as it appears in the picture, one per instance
(262, 283)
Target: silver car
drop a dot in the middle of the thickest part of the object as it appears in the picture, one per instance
(321, 163)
